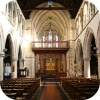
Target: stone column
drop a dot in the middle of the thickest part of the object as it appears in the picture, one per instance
(33, 65)
(98, 66)
(21, 63)
(14, 68)
(1, 66)
(87, 67)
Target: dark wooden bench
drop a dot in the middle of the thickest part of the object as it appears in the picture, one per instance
(20, 87)
(79, 88)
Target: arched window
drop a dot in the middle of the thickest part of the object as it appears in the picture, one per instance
(19, 22)
(6, 10)
(76, 28)
(79, 24)
(10, 11)
(23, 26)
(51, 39)
(89, 10)
(43, 39)
(92, 6)
(14, 13)
(56, 39)
(85, 15)
(17, 19)
(50, 35)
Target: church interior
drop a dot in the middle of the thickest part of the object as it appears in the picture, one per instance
(49, 49)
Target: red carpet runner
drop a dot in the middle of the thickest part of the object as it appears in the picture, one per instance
(50, 92)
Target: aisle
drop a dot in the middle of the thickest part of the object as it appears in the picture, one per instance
(50, 91)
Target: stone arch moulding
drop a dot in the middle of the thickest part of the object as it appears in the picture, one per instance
(36, 19)
(2, 45)
(87, 43)
(98, 39)
(11, 39)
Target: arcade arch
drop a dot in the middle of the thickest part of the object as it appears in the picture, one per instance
(88, 51)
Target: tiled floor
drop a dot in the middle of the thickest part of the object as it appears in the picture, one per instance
(50, 91)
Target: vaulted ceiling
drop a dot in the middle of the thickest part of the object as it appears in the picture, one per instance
(55, 16)
(27, 6)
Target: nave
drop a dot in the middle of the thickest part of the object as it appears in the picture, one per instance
(33, 89)
(50, 91)
(71, 88)
(60, 38)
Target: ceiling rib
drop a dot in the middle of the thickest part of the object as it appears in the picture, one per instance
(49, 8)
(27, 6)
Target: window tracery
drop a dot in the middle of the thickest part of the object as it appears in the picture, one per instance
(50, 38)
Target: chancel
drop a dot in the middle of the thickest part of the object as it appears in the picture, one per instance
(49, 49)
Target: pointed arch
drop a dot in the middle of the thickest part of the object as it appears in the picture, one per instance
(98, 38)
(11, 40)
(87, 43)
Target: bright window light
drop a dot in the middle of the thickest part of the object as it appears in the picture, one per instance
(50, 2)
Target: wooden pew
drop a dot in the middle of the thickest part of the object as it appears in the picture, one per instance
(20, 87)
(79, 88)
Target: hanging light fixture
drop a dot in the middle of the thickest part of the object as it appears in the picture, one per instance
(50, 32)
(50, 29)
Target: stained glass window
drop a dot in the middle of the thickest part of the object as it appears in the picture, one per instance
(50, 39)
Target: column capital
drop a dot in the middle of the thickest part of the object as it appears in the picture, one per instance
(98, 54)
(2, 55)
(14, 59)
(21, 59)
(86, 59)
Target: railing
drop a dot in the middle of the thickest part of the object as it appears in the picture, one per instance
(50, 44)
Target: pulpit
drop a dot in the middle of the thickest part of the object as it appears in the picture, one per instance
(23, 72)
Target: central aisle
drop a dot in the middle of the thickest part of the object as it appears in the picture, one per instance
(50, 92)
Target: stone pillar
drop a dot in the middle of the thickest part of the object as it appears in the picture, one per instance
(87, 67)
(21, 63)
(1, 66)
(98, 66)
(33, 65)
(14, 68)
